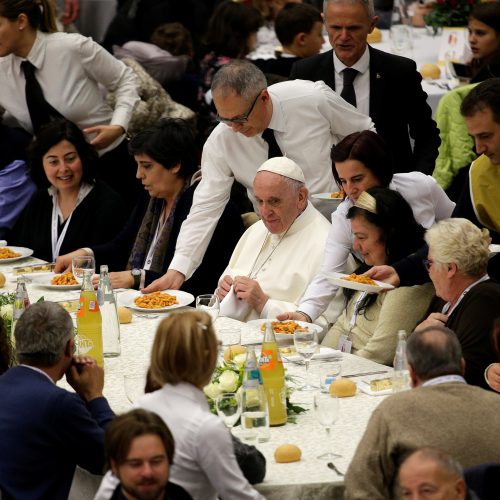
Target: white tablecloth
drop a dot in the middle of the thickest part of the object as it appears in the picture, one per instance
(309, 478)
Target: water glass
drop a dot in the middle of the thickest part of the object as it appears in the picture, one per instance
(208, 303)
(80, 263)
(326, 410)
(401, 42)
(306, 343)
(254, 415)
(328, 373)
(228, 408)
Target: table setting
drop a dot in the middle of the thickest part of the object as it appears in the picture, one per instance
(310, 477)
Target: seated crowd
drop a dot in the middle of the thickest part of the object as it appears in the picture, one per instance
(70, 185)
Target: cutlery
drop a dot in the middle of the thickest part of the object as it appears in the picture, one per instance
(332, 466)
(146, 315)
(364, 373)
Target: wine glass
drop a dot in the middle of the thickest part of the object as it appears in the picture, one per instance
(306, 343)
(80, 263)
(228, 407)
(208, 303)
(327, 409)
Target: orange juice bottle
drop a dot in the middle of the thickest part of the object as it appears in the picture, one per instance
(89, 321)
(273, 376)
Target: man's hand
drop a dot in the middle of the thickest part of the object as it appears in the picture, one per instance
(293, 315)
(71, 11)
(384, 273)
(86, 377)
(63, 262)
(493, 376)
(172, 280)
(434, 319)
(224, 286)
(250, 291)
(106, 135)
(122, 279)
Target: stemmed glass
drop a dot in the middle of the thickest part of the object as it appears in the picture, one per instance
(327, 409)
(80, 263)
(208, 303)
(306, 343)
(228, 407)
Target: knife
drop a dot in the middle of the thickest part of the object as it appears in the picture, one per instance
(364, 373)
(34, 268)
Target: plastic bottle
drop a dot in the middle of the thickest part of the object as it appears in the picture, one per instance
(109, 313)
(273, 375)
(254, 417)
(401, 375)
(21, 303)
(89, 321)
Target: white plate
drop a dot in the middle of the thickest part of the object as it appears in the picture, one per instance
(127, 299)
(258, 322)
(324, 353)
(25, 252)
(364, 386)
(327, 197)
(494, 248)
(43, 280)
(335, 279)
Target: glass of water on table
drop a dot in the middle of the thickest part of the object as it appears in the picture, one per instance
(79, 264)
(208, 303)
(306, 343)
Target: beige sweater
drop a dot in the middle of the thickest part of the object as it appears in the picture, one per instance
(461, 419)
(375, 334)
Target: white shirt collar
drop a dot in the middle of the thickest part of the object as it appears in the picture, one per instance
(84, 191)
(443, 379)
(34, 368)
(362, 64)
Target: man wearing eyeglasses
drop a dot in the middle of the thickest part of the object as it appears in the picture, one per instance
(300, 120)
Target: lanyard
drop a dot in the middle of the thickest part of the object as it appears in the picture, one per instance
(357, 307)
(447, 309)
(154, 242)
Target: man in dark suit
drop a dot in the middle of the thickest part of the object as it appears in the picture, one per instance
(45, 431)
(386, 87)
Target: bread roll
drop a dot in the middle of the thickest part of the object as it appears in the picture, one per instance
(232, 351)
(2, 280)
(287, 453)
(343, 388)
(124, 315)
(375, 36)
(430, 71)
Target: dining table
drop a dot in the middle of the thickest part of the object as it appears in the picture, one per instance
(308, 478)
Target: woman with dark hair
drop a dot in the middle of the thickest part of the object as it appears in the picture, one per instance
(484, 40)
(167, 167)
(359, 162)
(384, 230)
(70, 207)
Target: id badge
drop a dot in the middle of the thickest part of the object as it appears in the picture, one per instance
(345, 345)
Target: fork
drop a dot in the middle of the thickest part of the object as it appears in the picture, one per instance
(332, 466)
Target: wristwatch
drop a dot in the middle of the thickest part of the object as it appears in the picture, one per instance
(136, 274)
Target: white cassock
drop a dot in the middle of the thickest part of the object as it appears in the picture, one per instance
(282, 264)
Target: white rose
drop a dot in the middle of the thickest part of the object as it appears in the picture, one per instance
(212, 390)
(6, 311)
(240, 359)
(228, 381)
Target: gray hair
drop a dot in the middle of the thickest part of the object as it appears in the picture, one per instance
(434, 351)
(241, 77)
(366, 3)
(438, 456)
(41, 334)
(460, 242)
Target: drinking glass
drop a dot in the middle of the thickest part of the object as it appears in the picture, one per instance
(327, 409)
(401, 42)
(134, 386)
(306, 343)
(79, 264)
(228, 407)
(208, 303)
(254, 415)
(328, 373)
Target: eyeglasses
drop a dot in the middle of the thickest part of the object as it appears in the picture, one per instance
(428, 264)
(240, 119)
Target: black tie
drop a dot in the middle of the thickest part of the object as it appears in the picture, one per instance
(41, 112)
(274, 149)
(348, 93)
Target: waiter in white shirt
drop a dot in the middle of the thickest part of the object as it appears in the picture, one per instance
(300, 120)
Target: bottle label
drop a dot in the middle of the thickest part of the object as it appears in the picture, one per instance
(93, 306)
(267, 360)
(85, 344)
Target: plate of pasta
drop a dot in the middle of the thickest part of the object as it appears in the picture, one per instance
(284, 329)
(164, 300)
(54, 281)
(335, 198)
(358, 282)
(11, 254)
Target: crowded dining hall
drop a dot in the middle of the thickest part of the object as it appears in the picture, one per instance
(249, 249)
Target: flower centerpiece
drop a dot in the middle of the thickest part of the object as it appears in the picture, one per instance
(228, 377)
(6, 309)
(453, 13)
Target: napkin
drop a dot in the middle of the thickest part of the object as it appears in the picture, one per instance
(232, 307)
(324, 353)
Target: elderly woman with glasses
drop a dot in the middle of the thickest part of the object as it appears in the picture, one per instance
(469, 300)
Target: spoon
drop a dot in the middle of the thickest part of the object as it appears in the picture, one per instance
(332, 466)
